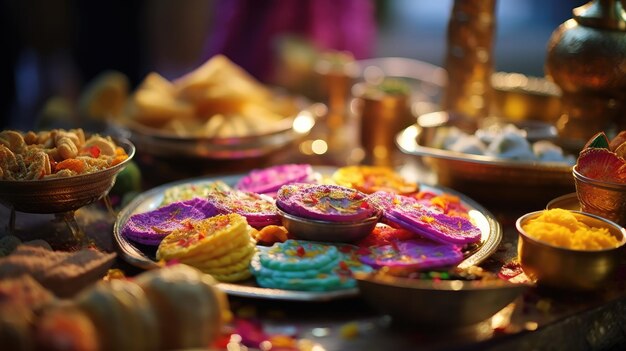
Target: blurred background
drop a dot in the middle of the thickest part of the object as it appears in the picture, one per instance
(53, 48)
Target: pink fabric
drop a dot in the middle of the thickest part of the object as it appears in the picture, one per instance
(246, 30)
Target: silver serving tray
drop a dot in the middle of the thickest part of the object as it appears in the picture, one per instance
(143, 256)
(490, 180)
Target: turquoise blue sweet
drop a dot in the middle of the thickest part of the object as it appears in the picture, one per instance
(307, 266)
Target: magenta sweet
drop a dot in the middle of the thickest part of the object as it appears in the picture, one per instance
(415, 254)
(325, 202)
(269, 180)
(259, 210)
(428, 222)
(149, 228)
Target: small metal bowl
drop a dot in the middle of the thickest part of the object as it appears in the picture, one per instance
(604, 199)
(436, 304)
(317, 230)
(564, 268)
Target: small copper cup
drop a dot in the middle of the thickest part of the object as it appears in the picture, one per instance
(382, 116)
(604, 199)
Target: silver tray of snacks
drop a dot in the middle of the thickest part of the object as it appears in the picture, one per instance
(158, 200)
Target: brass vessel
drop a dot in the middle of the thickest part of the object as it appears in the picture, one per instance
(587, 59)
(563, 268)
(469, 59)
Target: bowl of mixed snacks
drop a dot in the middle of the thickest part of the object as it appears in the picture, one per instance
(59, 170)
(569, 249)
(217, 111)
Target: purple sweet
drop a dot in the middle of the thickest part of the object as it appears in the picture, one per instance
(326, 202)
(416, 254)
(259, 210)
(269, 180)
(429, 222)
(287, 193)
(151, 227)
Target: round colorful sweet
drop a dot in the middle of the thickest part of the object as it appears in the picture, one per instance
(189, 191)
(428, 222)
(269, 180)
(202, 238)
(259, 210)
(287, 194)
(308, 266)
(151, 227)
(415, 254)
(329, 203)
(221, 246)
(369, 179)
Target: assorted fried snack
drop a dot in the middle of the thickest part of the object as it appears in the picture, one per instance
(56, 153)
(217, 100)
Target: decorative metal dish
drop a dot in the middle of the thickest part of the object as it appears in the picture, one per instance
(144, 256)
(488, 179)
(62, 196)
(437, 304)
(163, 144)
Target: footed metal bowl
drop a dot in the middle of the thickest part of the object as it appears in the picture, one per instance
(60, 195)
(436, 304)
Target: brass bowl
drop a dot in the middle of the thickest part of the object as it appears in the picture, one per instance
(604, 199)
(436, 304)
(519, 97)
(564, 268)
(58, 195)
(330, 231)
(490, 180)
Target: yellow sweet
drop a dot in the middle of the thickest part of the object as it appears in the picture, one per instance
(565, 229)
(221, 246)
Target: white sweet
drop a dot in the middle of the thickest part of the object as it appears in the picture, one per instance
(469, 144)
(549, 152)
(511, 145)
(490, 133)
(507, 142)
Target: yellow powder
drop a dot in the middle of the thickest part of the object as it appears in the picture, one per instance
(562, 228)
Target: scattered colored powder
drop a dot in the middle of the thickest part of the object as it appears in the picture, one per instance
(563, 228)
